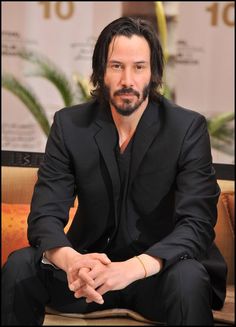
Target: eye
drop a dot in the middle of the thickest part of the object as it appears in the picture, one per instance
(116, 66)
(139, 67)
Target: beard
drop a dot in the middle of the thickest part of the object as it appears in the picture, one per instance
(128, 106)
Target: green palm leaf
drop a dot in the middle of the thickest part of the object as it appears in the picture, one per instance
(162, 27)
(27, 96)
(217, 125)
(162, 31)
(83, 86)
(47, 69)
(221, 133)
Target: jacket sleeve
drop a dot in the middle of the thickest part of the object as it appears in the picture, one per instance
(196, 196)
(54, 194)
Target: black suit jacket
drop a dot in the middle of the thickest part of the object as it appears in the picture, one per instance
(172, 192)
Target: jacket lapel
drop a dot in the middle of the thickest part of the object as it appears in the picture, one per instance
(106, 139)
(146, 131)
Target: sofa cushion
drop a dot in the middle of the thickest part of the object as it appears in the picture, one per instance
(225, 231)
(228, 200)
(14, 227)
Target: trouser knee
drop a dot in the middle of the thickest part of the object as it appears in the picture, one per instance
(188, 295)
(189, 277)
(23, 289)
(19, 261)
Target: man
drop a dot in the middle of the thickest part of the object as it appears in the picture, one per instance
(142, 237)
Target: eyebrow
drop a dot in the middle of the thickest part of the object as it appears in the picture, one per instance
(120, 62)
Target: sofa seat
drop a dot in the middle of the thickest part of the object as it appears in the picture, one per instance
(110, 317)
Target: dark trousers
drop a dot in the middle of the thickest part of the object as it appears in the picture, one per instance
(180, 295)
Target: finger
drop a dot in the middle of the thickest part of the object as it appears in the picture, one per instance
(102, 289)
(101, 257)
(96, 271)
(98, 282)
(96, 287)
(81, 280)
(76, 285)
(90, 301)
(85, 277)
(100, 286)
(71, 276)
(83, 262)
(88, 292)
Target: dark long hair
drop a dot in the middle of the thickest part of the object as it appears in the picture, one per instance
(126, 26)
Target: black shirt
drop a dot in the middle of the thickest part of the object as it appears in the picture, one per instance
(119, 248)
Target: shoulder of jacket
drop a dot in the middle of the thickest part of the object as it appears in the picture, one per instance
(79, 109)
(177, 110)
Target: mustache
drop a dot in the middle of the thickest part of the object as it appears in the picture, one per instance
(126, 90)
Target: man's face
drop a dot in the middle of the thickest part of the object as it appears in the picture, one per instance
(128, 73)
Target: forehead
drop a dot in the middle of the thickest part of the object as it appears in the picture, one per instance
(133, 48)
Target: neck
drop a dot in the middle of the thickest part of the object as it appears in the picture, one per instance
(126, 125)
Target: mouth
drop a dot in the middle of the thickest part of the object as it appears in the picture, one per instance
(126, 95)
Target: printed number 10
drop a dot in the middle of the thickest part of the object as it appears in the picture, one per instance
(47, 7)
(214, 10)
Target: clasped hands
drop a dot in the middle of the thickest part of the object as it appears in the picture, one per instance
(92, 275)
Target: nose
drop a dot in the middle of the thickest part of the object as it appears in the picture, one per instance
(127, 78)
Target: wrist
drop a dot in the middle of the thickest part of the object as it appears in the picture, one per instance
(152, 264)
(61, 256)
(134, 269)
(143, 266)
